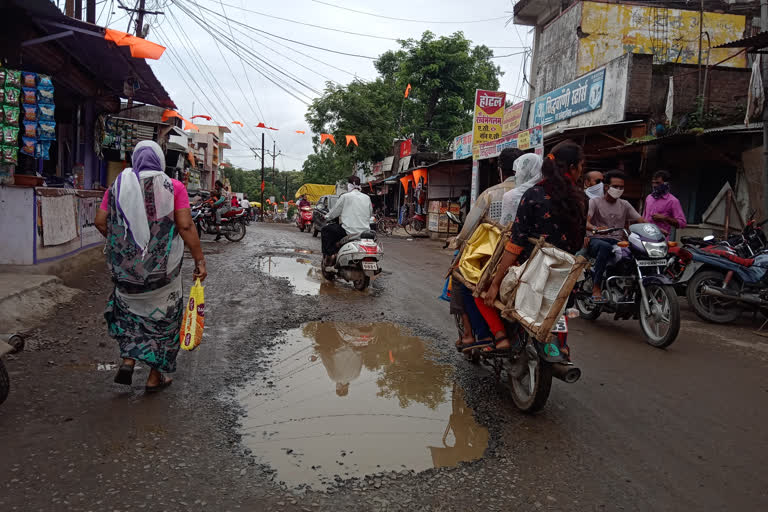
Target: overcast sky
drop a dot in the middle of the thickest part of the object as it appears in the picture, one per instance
(227, 88)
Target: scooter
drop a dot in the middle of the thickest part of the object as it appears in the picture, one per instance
(232, 222)
(304, 218)
(358, 260)
(14, 344)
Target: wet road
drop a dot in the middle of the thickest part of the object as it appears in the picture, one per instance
(308, 395)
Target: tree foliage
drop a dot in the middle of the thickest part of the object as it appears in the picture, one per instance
(444, 73)
(249, 182)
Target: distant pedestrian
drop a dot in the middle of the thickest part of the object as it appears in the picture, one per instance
(661, 207)
(146, 219)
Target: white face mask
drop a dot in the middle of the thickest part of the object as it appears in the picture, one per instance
(615, 192)
(596, 190)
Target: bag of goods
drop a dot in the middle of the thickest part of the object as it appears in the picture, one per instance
(194, 318)
(29, 96)
(30, 129)
(9, 154)
(44, 81)
(28, 146)
(28, 79)
(10, 135)
(11, 114)
(45, 111)
(47, 130)
(12, 95)
(43, 149)
(45, 95)
(30, 113)
(13, 78)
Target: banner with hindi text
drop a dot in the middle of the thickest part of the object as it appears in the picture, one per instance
(488, 117)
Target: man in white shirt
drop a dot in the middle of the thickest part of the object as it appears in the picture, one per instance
(354, 211)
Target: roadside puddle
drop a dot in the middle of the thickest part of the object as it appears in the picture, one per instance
(299, 271)
(344, 400)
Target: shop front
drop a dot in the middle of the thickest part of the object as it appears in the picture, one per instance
(59, 76)
(449, 186)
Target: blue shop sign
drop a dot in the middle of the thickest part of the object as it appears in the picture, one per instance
(578, 97)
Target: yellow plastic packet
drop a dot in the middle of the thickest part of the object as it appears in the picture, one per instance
(194, 318)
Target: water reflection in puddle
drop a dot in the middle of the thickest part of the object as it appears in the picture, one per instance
(345, 400)
(303, 276)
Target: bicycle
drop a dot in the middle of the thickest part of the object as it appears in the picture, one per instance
(414, 224)
(386, 225)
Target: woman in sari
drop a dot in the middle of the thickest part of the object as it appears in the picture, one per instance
(145, 216)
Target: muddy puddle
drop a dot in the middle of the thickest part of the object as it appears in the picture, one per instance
(305, 277)
(343, 400)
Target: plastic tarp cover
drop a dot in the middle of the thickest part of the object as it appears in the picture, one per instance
(538, 281)
(315, 192)
(479, 249)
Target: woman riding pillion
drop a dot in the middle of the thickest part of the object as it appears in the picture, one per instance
(145, 217)
(554, 209)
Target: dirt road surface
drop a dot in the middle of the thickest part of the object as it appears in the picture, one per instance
(308, 395)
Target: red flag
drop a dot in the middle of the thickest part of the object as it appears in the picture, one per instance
(262, 186)
(261, 125)
(408, 90)
(405, 148)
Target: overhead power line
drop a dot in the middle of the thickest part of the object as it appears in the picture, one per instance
(406, 19)
(176, 2)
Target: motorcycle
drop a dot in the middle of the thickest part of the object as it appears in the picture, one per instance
(636, 286)
(232, 222)
(304, 218)
(13, 344)
(358, 260)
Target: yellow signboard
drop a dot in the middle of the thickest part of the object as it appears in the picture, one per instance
(489, 116)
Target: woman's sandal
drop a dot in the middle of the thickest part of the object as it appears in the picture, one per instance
(124, 374)
(479, 344)
(499, 351)
(164, 383)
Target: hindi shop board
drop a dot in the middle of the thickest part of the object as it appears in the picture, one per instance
(514, 118)
(578, 97)
(533, 138)
(489, 116)
(462, 146)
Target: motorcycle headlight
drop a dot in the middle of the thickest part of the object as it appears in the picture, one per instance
(656, 249)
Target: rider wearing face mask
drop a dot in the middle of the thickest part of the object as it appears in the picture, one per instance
(593, 184)
(608, 211)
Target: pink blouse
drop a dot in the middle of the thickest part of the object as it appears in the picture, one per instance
(180, 197)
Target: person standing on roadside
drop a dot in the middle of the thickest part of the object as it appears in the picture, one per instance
(661, 207)
(145, 217)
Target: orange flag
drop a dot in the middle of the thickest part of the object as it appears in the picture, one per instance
(188, 125)
(352, 138)
(408, 90)
(207, 118)
(300, 131)
(276, 129)
(238, 122)
(262, 188)
(168, 113)
(327, 136)
(140, 48)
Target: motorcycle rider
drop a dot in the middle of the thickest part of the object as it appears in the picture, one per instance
(303, 201)
(354, 209)
(221, 205)
(609, 211)
(593, 184)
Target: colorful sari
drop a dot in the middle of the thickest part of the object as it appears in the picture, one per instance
(144, 255)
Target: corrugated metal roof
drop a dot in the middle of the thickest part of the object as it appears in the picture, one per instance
(757, 41)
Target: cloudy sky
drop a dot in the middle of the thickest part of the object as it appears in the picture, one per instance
(208, 75)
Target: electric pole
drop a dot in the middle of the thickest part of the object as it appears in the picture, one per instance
(274, 154)
(90, 11)
(256, 154)
(140, 11)
(140, 19)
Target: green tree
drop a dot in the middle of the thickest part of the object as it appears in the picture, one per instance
(443, 72)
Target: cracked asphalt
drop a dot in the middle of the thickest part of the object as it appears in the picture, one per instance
(644, 429)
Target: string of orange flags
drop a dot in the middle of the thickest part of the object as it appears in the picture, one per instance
(327, 136)
(207, 118)
(188, 125)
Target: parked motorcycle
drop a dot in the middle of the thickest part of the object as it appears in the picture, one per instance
(304, 218)
(232, 222)
(358, 260)
(14, 343)
(635, 286)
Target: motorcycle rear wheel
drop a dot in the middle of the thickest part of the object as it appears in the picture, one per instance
(361, 284)
(587, 309)
(530, 390)
(711, 309)
(236, 231)
(5, 382)
(301, 228)
(664, 310)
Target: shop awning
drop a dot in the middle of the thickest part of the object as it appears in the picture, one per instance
(757, 42)
(108, 64)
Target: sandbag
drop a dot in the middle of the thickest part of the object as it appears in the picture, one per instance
(478, 251)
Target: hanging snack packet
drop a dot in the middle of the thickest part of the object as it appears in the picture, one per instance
(28, 79)
(2, 95)
(45, 94)
(10, 155)
(10, 135)
(29, 96)
(11, 114)
(194, 318)
(12, 95)
(44, 81)
(28, 146)
(43, 150)
(13, 78)
(3, 72)
(47, 130)
(30, 129)
(45, 111)
(30, 113)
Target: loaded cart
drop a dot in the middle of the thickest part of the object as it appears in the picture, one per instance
(532, 301)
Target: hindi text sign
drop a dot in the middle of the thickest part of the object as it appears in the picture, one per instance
(578, 97)
(489, 115)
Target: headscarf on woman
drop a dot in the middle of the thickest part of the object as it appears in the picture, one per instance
(527, 174)
(144, 254)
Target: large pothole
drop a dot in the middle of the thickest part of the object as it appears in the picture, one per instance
(344, 400)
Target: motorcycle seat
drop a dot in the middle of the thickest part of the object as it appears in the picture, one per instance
(745, 262)
(233, 213)
(365, 235)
